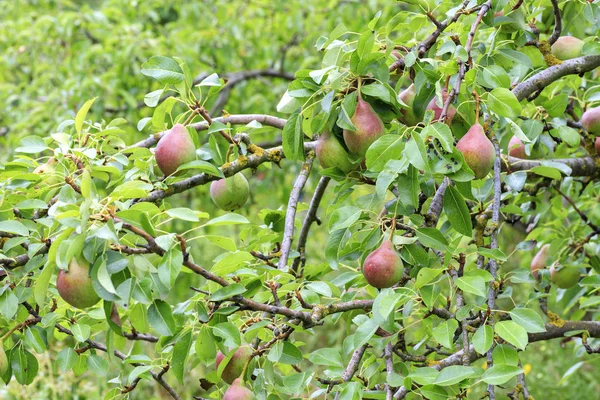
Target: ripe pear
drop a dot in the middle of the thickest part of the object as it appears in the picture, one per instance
(75, 285)
(591, 121)
(478, 151)
(383, 268)
(516, 148)
(564, 277)
(331, 153)
(567, 47)
(230, 193)
(174, 149)
(437, 110)
(237, 391)
(540, 260)
(369, 128)
(3, 360)
(408, 97)
(235, 366)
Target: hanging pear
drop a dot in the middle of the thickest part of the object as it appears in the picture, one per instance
(383, 268)
(437, 110)
(478, 151)
(516, 148)
(237, 391)
(591, 121)
(331, 153)
(408, 97)
(540, 260)
(369, 128)
(174, 149)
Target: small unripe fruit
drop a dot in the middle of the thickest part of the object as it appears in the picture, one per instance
(174, 149)
(75, 285)
(331, 153)
(369, 128)
(408, 97)
(567, 47)
(540, 260)
(383, 268)
(3, 360)
(237, 391)
(231, 193)
(437, 110)
(591, 121)
(235, 366)
(516, 148)
(564, 277)
(478, 151)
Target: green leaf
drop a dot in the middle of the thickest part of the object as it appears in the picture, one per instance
(496, 254)
(180, 354)
(229, 333)
(513, 333)
(500, 374)
(453, 374)
(483, 339)
(227, 292)
(504, 103)
(81, 332)
(441, 132)
(14, 227)
(444, 333)
(293, 138)
(457, 211)
(569, 135)
(326, 356)
(431, 237)
(384, 149)
(161, 318)
(228, 219)
(164, 69)
(472, 284)
(66, 359)
(528, 319)
(97, 365)
(205, 344)
(505, 354)
(184, 214)
(82, 113)
(24, 365)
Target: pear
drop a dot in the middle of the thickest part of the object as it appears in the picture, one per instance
(564, 277)
(331, 153)
(3, 360)
(516, 148)
(408, 97)
(235, 366)
(567, 47)
(174, 149)
(540, 260)
(591, 121)
(230, 193)
(383, 268)
(478, 151)
(48, 172)
(597, 145)
(369, 128)
(237, 391)
(437, 110)
(75, 285)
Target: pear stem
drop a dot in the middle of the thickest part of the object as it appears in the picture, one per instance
(476, 96)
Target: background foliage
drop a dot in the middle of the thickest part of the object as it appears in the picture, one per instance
(58, 55)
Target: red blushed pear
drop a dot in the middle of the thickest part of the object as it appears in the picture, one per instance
(516, 148)
(408, 97)
(437, 110)
(383, 268)
(540, 260)
(478, 151)
(369, 128)
(231, 193)
(174, 149)
(331, 153)
(75, 285)
(591, 121)
(567, 47)
(235, 366)
(237, 391)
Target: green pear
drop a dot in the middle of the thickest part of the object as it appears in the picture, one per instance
(383, 267)
(408, 97)
(75, 285)
(478, 151)
(235, 366)
(567, 47)
(591, 121)
(516, 148)
(3, 360)
(540, 260)
(174, 149)
(564, 277)
(331, 153)
(231, 193)
(369, 128)
(237, 391)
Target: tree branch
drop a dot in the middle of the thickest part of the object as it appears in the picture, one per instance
(557, 23)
